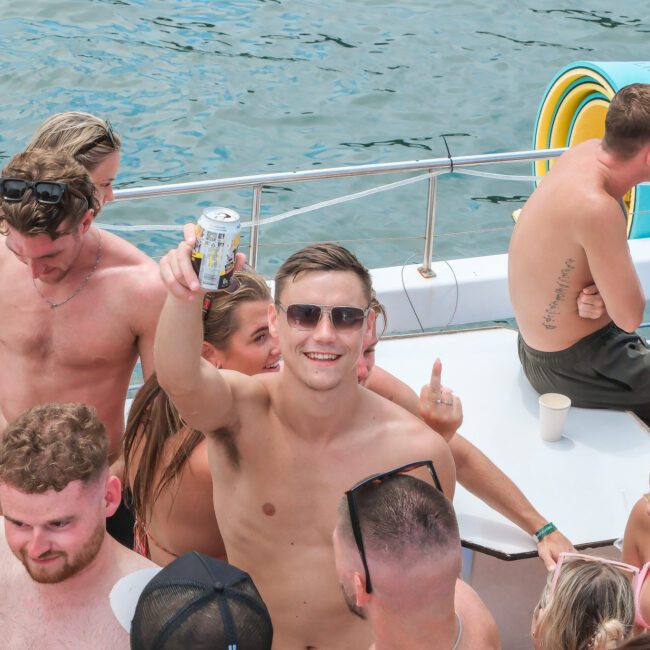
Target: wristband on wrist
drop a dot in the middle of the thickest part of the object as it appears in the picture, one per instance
(544, 531)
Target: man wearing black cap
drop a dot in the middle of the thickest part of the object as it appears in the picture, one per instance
(195, 602)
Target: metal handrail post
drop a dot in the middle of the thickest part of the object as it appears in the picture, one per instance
(256, 209)
(425, 270)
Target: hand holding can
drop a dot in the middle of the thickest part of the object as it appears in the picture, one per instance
(215, 248)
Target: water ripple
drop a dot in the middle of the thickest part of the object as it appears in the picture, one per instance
(201, 90)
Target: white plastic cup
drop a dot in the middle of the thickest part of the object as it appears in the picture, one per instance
(553, 409)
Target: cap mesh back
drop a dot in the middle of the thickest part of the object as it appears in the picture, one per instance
(183, 616)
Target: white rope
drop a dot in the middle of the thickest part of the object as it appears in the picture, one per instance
(342, 199)
(504, 177)
(143, 227)
(335, 201)
(290, 213)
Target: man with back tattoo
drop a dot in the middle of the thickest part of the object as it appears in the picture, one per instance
(573, 285)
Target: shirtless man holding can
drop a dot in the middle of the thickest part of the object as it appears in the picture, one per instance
(284, 448)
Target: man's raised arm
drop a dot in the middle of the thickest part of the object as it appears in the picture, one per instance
(201, 394)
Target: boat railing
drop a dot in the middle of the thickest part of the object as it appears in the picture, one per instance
(432, 167)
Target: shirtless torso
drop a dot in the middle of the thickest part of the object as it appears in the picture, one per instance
(75, 613)
(287, 486)
(284, 447)
(479, 628)
(84, 350)
(571, 234)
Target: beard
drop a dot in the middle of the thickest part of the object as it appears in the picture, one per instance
(71, 564)
(350, 601)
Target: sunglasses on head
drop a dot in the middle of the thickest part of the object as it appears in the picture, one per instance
(374, 480)
(107, 136)
(47, 192)
(307, 317)
(628, 569)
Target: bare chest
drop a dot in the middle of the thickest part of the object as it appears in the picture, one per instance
(286, 487)
(29, 624)
(84, 331)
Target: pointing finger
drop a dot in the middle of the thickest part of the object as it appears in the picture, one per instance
(436, 373)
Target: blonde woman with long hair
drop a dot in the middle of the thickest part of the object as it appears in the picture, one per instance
(587, 604)
(90, 140)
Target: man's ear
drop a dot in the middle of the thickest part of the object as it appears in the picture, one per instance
(362, 597)
(369, 331)
(112, 495)
(273, 320)
(212, 354)
(86, 221)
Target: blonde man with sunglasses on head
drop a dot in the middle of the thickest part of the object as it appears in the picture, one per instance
(78, 305)
(397, 555)
(284, 446)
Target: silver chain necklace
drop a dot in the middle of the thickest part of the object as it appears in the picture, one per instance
(54, 305)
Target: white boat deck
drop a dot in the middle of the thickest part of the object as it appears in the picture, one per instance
(466, 290)
(586, 483)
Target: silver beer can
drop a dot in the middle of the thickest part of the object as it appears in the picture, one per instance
(213, 254)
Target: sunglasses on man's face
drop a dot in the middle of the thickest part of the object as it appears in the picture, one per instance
(307, 317)
(374, 480)
(47, 192)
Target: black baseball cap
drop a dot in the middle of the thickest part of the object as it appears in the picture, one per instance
(198, 602)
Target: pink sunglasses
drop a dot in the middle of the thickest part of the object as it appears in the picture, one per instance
(637, 577)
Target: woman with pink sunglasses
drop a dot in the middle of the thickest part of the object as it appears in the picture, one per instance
(587, 604)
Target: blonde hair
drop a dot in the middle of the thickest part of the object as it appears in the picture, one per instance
(592, 608)
(88, 139)
(220, 321)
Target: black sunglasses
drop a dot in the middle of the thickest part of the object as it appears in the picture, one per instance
(48, 192)
(307, 317)
(377, 479)
(108, 135)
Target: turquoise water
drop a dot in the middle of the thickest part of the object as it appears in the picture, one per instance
(204, 90)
